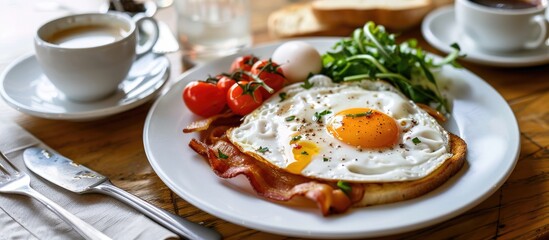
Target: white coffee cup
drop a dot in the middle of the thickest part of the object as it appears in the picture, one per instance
(498, 29)
(86, 56)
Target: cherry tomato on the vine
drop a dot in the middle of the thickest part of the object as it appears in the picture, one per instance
(204, 99)
(244, 97)
(242, 66)
(244, 63)
(271, 74)
(225, 83)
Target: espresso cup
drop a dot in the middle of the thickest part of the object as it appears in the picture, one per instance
(503, 26)
(86, 56)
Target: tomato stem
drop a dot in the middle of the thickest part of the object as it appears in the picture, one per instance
(257, 80)
(249, 88)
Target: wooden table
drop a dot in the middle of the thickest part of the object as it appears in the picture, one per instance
(519, 209)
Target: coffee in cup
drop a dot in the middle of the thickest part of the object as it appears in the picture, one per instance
(87, 36)
(503, 25)
(86, 56)
(509, 4)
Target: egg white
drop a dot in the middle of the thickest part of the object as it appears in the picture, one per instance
(268, 128)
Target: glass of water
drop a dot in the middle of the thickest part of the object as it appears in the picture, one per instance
(209, 29)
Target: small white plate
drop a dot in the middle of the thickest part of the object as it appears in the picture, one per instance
(440, 30)
(480, 116)
(24, 87)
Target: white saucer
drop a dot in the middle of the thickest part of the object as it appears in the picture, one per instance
(25, 88)
(440, 30)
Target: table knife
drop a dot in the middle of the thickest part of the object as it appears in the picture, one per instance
(79, 179)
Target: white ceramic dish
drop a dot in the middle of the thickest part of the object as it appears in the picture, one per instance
(440, 30)
(480, 116)
(25, 88)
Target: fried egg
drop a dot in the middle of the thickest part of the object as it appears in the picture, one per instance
(363, 131)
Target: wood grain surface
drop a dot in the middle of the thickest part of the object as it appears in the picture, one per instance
(518, 210)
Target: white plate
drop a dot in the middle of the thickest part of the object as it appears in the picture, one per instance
(440, 30)
(481, 117)
(25, 88)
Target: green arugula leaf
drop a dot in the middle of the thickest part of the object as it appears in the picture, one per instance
(371, 53)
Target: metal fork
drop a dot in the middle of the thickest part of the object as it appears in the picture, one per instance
(14, 181)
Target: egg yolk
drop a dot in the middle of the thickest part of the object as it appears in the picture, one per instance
(364, 128)
(303, 152)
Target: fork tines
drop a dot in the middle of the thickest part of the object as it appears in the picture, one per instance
(5, 161)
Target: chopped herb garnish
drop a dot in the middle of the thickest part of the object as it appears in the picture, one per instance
(326, 159)
(304, 153)
(296, 138)
(263, 149)
(416, 140)
(355, 115)
(290, 118)
(344, 186)
(319, 115)
(221, 155)
(307, 84)
(283, 96)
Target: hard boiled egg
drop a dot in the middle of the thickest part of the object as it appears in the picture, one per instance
(297, 59)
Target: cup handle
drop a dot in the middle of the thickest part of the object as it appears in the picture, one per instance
(145, 39)
(541, 22)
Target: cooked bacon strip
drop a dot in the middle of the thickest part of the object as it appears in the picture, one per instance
(328, 200)
(204, 124)
(274, 183)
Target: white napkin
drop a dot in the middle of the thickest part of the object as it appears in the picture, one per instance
(22, 217)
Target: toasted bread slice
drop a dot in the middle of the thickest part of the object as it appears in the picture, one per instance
(394, 14)
(382, 193)
(341, 17)
(298, 20)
